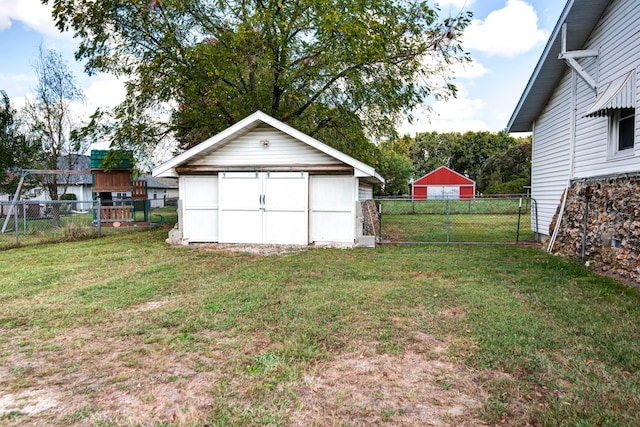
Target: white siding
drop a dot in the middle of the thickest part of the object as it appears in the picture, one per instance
(619, 53)
(365, 191)
(281, 150)
(550, 156)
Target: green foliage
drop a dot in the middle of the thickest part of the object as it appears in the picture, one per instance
(16, 151)
(515, 186)
(394, 165)
(49, 119)
(507, 172)
(485, 157)
(334, 69)
(465, 153)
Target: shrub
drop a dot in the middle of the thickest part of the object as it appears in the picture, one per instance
(76, 232)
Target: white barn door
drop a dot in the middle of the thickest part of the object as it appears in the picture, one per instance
(264, 207)
(240, 207)
(331, 209)
(442, 192)
(286, 202)
(199, 196)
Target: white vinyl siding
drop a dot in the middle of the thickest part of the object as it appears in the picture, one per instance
(618, 41)
(550, 156)
(248, 149)
(365, 191)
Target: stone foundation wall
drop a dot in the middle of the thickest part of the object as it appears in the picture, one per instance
(612, 238)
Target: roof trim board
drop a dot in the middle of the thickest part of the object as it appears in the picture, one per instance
(168, 169)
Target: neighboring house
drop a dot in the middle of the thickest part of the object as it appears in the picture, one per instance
(78, 184)
(261, 181)
(442, 183)
(159, 190)
(580, 104)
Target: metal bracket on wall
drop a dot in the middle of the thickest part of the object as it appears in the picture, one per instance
(570, 58)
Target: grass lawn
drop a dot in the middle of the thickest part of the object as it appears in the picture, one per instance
(458, 228)
(125, 330)
(72, 227)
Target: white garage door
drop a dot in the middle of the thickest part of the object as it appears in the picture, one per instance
(440, 192)
(331, 209)
(263, 207)
(199, 196)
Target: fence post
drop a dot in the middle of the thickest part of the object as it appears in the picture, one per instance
(99, 217)
(15, 217)
(24, 219)
(446, 209)
(534, 203)
(519, 216)
(380, 218)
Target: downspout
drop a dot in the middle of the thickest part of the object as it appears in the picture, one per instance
(572, 146)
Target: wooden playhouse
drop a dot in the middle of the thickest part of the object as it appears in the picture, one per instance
(120, 195)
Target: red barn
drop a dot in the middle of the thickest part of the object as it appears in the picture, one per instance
(443, 183)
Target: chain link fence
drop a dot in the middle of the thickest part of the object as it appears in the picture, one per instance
(480, 220)
(32, 222)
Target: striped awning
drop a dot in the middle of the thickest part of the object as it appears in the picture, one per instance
(619, 94)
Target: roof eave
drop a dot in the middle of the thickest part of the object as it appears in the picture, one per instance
(549, 69)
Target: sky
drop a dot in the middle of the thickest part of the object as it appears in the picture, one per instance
(505, 40)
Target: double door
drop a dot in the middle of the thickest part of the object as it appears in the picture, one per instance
(264, 207)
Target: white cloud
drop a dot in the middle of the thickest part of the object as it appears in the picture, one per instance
(105, 90)
(455, 115)
(470, 70)
(505, 32)
(32, 13)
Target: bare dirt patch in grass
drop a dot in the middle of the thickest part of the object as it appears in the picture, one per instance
(418, 387)
(148, 306)
(86, 380)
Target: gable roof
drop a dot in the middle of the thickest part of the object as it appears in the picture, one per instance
(449, 171)
(156, 182)
(168, 169)
(581, 17)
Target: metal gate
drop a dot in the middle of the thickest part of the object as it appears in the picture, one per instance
(480, 220)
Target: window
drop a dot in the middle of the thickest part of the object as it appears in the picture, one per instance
(622, 129)
(626, 129)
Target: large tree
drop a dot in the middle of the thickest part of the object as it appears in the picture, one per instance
(465, 153)
(49, 120)
(16, 151)
(344, 71)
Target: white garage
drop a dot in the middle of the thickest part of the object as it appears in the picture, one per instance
(263, 182)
